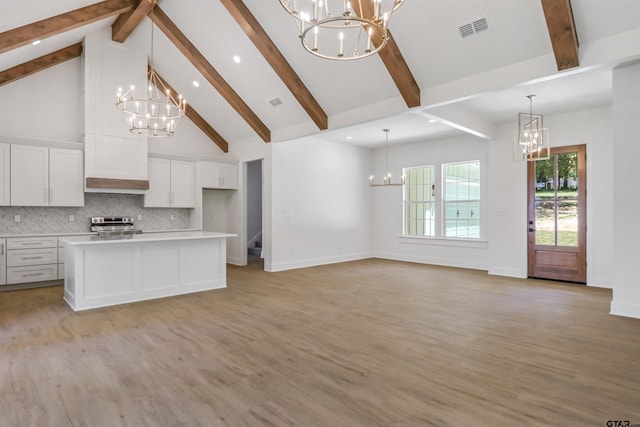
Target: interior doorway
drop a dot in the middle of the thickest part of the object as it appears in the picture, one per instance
(254, 218)
(556, 220)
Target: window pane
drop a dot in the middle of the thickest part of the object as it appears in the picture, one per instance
(544, 179)
(567, 223)
(418, 196)
(545, 223)
(567, 175)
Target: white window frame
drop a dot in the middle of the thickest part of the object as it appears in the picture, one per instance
(440, 203)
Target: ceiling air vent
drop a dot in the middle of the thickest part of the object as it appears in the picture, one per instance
(474, 27)
(275, 102)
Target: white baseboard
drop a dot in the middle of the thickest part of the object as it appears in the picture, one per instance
(234, 261)
(624, 309)
(507, 272)
(312, 262)
(431, 260)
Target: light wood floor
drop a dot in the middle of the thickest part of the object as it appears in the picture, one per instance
(366, 343)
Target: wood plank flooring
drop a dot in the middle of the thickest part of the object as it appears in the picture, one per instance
(365, 343)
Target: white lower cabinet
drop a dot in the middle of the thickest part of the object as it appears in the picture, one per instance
(31, 259)
(3, 261)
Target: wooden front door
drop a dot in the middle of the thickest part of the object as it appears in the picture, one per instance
(556, 222)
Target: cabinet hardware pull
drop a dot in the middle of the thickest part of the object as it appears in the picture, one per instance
(31, 243)
(31, 274)
(31, 257)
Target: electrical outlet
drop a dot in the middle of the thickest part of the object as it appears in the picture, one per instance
(139, 217)
(72, 218)
(16, 218)
(172, 217)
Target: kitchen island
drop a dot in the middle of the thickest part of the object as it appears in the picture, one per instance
(100, 271)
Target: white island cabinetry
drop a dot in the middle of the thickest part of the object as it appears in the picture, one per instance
(102, 272)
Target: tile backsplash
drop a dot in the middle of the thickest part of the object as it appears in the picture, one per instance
(43, 220)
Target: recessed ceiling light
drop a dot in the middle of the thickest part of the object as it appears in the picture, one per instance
(433, 121)
(36, 42)
(196, 83)
(236, 59)
(349, 137)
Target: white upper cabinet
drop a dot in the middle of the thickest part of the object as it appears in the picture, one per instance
(183, 184)
(66, 177)
(43, 176)
(219, 175)
(29, 175)
(171, 184)
(5, 175)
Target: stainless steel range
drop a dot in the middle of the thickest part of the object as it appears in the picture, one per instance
(114, 226)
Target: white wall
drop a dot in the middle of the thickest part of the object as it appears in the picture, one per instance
(626, 151)
(45, 105)
(321, 210)
(504, 251)
(387, 204)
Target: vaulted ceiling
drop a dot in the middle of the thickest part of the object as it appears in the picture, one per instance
(563, 49)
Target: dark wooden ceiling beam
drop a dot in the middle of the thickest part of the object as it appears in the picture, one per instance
(39, 64)
(562, 31)
(198, 60)
(393, 61)
(274, 57)
(197, 119)
(39, 30)
(127, 22)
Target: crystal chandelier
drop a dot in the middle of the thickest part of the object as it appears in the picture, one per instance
(158, 113)
(387, 177)
(342, 29)
(532, 138)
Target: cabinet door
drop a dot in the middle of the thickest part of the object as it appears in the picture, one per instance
(210, 175)
(66, 177)
(182, 184)
(5, 177)
(3, 262)
(29, 175)
(159, 193)
(229, 176)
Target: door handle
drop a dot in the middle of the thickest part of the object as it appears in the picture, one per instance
(531, 229)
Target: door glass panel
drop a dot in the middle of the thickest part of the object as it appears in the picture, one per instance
(544, 179)
(567, 223)
(567, 175)
(545, 223)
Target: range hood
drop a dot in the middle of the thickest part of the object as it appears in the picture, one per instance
(116, 161)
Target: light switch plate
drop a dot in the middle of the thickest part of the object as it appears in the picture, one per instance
(16, 218)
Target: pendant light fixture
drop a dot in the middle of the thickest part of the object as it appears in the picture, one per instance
(155, 115)
(532, 138)
(387, 177)
(341, 29)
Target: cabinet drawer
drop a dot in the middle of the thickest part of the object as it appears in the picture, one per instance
(32, 273)
(20, 257)
(32, 242)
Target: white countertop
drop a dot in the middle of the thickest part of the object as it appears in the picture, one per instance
(143, 237)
